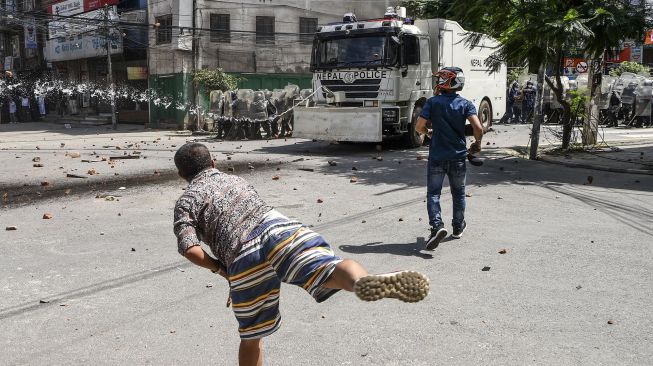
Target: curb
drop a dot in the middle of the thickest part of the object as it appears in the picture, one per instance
(596, 167)
(20, 193)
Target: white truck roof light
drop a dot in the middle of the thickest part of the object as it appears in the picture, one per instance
(349, 18)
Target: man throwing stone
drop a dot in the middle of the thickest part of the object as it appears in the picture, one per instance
(446, 113)
(256, 248)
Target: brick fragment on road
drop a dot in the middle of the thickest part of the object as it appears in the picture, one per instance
(503, 251)
(11, 228)
(91, 172)
(47, 216)
(353, 180)
(45, 183)
(610, 322)
(275, 177)
(319, 200)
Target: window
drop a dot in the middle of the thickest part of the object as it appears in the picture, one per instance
(424, 50)
(220, 28)
(411, 50)
(265, 30)
(164, 31)
(307, 27)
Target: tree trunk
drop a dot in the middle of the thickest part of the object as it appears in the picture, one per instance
(566, 107)
(535, 132)
(567, 123)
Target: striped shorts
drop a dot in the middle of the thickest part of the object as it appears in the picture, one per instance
(278, 250)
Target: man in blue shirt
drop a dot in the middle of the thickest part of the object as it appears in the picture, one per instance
(446, 113)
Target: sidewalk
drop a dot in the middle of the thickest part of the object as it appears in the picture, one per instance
(632, 159)
(47, 159)
(626, 150)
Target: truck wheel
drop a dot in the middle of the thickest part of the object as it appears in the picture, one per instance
(485, 115)
(412, 139)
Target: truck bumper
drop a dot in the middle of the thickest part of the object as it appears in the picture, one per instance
(356, 124)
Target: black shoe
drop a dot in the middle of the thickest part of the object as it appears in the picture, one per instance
(437, 234)
(458, 231)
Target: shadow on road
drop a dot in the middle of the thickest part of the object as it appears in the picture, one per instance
(407, 168)
(406, 249)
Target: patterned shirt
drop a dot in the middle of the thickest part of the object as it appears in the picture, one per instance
(220, 210)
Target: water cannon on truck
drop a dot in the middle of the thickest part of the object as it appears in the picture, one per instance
(372, 77)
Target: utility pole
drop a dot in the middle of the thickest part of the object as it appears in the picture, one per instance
(537, 122)
(194, 49)
(112, 93)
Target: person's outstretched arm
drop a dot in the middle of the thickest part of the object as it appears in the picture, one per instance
(200, 257)
(422, 126)
(478, 133)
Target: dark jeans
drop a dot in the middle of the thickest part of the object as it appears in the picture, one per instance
(527, 113)
(456, 171)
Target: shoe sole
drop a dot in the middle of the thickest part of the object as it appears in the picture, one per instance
(459, 235)
(435, 241)
(406, 286)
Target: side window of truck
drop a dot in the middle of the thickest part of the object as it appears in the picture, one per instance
(411, 50)
(424, 50)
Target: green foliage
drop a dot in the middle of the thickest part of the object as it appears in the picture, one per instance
(633, 67)
(578, 101)
(216, 79)
(537, 31)
(514, 74)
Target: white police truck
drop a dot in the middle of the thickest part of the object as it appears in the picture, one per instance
(372, 77)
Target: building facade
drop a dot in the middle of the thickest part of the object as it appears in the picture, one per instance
(75, 50)
(266, 42)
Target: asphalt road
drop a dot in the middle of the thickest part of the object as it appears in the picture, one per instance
(102, 283)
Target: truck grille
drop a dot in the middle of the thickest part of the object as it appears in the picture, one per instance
(361, 88)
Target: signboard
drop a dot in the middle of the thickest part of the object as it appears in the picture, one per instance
(649, 38)
(9, 63)
(81, 46)
(87, 23)
(624, 55)
(571, 66)
(72, 7)
(10, 6)
(137, 73)
(67, 7)
(636, 54)
(29, 29)
(582, 67)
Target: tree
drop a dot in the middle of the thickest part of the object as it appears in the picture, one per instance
(215, 79)
(633, 67)
(538, 32)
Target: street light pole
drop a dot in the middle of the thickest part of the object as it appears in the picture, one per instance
(114, 123)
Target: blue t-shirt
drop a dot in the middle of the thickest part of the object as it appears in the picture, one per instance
(448, 113)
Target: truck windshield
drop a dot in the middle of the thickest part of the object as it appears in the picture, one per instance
(354, 52)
